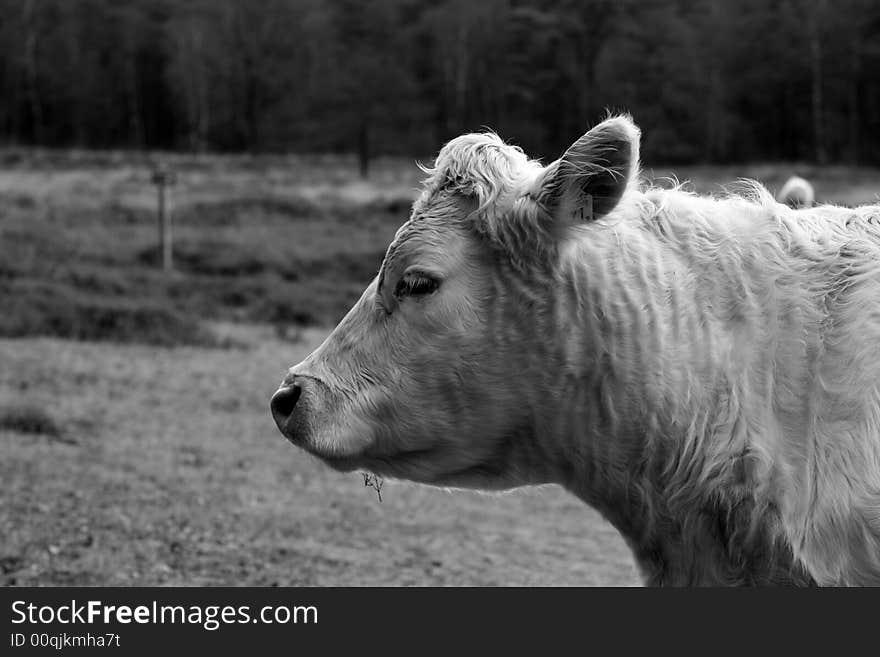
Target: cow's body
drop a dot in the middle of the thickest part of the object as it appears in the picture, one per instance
(705, 372)
(732, 347)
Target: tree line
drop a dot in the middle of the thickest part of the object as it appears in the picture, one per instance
(707, 80)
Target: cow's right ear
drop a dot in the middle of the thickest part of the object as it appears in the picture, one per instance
(588, 181)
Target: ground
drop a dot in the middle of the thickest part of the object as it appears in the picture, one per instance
(136, 440)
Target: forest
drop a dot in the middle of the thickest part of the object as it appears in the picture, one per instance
(709, 81)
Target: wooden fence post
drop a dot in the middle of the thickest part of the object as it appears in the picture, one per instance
(164, 178)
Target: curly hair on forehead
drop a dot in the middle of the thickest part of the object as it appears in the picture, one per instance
(499, 177)
(481, 166)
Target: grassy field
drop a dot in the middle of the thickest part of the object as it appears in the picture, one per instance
(79, 249)
(137, 446)
(128, 464)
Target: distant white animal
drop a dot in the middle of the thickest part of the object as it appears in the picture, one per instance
(797, 193)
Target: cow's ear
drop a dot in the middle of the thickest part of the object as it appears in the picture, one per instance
(588, 181)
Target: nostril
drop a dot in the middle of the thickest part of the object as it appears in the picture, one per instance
(284, 401)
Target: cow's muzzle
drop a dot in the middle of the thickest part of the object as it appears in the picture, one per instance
(305, 410)
(284, 407)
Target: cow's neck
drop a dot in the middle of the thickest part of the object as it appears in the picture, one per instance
(628, 436)
(710, 544)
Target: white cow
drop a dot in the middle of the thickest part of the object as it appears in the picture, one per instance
(797, 193)
(703, 371)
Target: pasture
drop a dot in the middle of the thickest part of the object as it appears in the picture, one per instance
(137, 445)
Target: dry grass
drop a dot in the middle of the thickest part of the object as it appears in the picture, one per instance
(78, 254)
(29, 420)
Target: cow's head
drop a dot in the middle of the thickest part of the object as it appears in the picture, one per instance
(443, 371)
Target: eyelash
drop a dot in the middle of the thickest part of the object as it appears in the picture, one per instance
(415, 285)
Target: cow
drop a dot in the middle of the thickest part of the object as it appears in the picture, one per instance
(703, 371)
(797, 193)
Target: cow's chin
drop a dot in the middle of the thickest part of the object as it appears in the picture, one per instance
(436, 466)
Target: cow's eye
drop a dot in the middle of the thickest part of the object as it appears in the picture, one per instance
(416, 284)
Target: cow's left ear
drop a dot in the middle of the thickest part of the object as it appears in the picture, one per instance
(588, 181)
